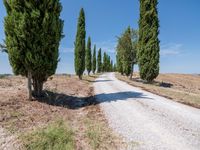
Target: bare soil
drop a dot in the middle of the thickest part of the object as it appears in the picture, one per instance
(67, 98)
(183, 88)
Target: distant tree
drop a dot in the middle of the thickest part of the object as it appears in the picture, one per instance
(148, 53)
(114, 68)
(80, 45)
(107, 63)
(119, 67)
(33, 32)
(111, 66)
(126, 51)
(88, 56)
(99, 62)
(104, 62)
(94, 64)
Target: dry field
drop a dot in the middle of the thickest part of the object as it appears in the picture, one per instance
(183, 88)
(67, 99)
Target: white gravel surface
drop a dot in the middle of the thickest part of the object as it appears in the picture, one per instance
(154, 122)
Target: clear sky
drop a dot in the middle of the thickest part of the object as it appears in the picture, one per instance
(106, 19)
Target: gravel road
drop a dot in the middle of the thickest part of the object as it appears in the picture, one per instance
(154, 122)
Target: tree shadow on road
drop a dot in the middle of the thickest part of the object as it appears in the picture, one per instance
(74, 102)
(120, 96)
(99, 81)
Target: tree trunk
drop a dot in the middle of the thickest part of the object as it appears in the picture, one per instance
(80, 77)
(132, 69)
(38, 87)
(29, 86)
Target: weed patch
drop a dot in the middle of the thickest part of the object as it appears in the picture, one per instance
(57, 136)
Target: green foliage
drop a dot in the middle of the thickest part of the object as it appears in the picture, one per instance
(33, 32)
(106, 63)
(57, 136)
(111, 66)
(88, 58)
(119, 60)
(94, 63)
(80, 45)
(99, 62)
(126, 51)
(148, 54)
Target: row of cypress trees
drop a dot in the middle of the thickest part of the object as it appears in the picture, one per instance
(107, 65)
(83, 56)
(34, 29)
(143, 50)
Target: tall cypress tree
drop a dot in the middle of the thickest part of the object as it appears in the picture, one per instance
(88, 56)
(99, 62)
(33, 32)
(126, 44)
(94, 63)
(148, 53)
(79, 61)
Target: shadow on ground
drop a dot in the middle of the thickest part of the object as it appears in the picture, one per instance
(73, 102)
(156, 83)
(99, 81)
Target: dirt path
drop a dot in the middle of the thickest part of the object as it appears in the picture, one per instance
(150, 121)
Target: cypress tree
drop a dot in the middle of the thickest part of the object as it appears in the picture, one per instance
(148, 53)
(99, 63)
(104, 62)
(127, 47)
(33, 32)
(80, 45)
(88, 56)
(94, 60)
(119, 67)
(111, 66)
(114, 68)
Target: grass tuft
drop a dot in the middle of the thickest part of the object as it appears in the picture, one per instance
(57, 136)
(94, 133)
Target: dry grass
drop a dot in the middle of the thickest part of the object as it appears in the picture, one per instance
(182, 88)
(100, 136)
(68, 99)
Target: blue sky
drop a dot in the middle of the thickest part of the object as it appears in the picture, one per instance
(106, 19)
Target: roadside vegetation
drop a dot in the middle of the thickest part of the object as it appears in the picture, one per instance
(55, 136)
